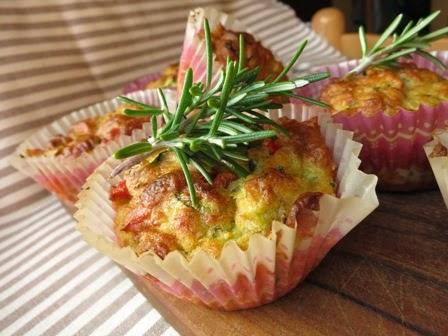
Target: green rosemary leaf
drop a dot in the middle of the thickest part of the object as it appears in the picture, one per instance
(142, 113)
(255, 98)
(216, 151)
(253, 87)
(272, 106)
(415, 44)
(195, 90)
(236, 99)
(315, 77)
(247, 75)
(205, 160)
(240, 127)
(223, 128)
(396, 55)
(218, 85)
(418, 27)
(227, 88)
(394, 37)
(169, 135)
(236, 168)
(407, 27)
(164, 106)
(195, 144)
(388, 32)
(183, 162)
(208, 53)
(432, 58)
(232, 154)
(435, 35)
(250, 137)
(308, 100)
(298, 83)
(134, 149)
(279, 87)
(262, 119)
(193, 120)
(362, 41)
(185, 100)
(241, 55)
(263, 105)
(197, 164)
(130, 101)
(162, 99)
(292, 61)
(241, 116)
(154, 126)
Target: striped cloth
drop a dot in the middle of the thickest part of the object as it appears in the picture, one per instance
(55, 57)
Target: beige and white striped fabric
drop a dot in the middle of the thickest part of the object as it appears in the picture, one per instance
(55, 57)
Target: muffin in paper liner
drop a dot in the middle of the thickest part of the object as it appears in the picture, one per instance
(194, 51)
(271, 266)
(438, 159)
(392, 145)
(65, 176)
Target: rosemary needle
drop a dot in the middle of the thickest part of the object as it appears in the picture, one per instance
(403, 43)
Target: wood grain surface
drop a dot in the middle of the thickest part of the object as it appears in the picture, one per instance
(389, 276)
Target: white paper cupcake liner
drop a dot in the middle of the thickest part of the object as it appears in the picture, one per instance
(65, 176)
(194, 52)
(439, 164)
(271, 266)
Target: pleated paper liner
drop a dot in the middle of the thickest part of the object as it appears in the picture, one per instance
(271, 266)
(439, 164)
(140, 83)
(392, 145)
(194, 51)
(65, 176)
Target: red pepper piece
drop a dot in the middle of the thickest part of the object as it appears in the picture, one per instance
(120, 192)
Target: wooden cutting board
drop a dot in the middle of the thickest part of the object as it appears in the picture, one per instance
(389, 276)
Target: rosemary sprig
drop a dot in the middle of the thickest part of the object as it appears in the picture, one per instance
(403, 43)
(214, 126)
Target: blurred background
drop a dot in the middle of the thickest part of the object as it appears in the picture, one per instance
(374, 15)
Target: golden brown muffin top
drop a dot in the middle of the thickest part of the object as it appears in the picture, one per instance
(86, 134)
(154, 212)
(225, 43)
(386, 89)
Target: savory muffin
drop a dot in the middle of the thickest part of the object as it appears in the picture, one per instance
(85, 135)
(385, 89)
(225, 43)
(289, 174)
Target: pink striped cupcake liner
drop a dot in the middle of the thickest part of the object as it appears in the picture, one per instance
(272, 265)
(392, 145)
(64, 176)
(140, 83)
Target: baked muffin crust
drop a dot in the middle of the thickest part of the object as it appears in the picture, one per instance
(154, 212)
